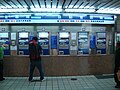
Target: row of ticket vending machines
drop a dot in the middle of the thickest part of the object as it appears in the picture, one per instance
(63, 42)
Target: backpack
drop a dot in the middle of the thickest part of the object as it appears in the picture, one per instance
(34, 50)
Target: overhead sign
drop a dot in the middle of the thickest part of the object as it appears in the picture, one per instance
(56, 18)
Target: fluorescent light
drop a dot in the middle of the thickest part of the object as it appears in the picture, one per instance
(70, 6)
(81, 7)
(66, 6)
(37, 6)
(80, 10)
(46, 10)
(19, 6)
(87, 7)
(2, 7)
(76, 6)
(14, 10)
(13, 6)
(109, 11)
(42, 6)
(31, 6)
(53, 6)
(92, 7)
(8, 6)
(48, 6)
(25, 6)
(59, 7)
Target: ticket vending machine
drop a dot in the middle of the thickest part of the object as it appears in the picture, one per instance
(4, 39)
(117, 38)
(23, 39)
(100, 42)
(63, 43)
(43, 40)
(83, 43)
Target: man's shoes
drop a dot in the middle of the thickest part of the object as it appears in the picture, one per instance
(117, 86)
(30, 80)
(3, 78)
(42, 79)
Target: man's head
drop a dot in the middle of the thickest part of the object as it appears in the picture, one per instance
(35, 38)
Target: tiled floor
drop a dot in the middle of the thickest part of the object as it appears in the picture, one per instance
(58, 83)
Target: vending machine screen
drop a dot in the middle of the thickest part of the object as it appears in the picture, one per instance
(23, 35)
(43, 35)
(4, 35)
(64, 35)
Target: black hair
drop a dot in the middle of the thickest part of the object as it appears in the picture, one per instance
(35, 38)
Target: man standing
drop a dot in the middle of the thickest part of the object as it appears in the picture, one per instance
(117, 65)
(2, 47)
(35, 59)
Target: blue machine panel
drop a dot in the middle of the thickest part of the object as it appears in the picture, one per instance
(101, 43)
(93, 42)
(53, 42)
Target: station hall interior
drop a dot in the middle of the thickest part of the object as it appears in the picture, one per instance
(78, 38)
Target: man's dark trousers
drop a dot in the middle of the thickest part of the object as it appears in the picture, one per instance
(33, 64)
(1, 70)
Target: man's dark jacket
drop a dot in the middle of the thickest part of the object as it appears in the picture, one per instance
(117, 58)
(34, 50)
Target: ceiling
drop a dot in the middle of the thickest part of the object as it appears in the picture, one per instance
(112, 5)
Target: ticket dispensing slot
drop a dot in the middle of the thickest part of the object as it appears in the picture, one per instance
(80, 52)
(63, 43)
(4, 39)
(23, 39)
(43, 40)
(98, 51)
(61, 53)
(83, 45)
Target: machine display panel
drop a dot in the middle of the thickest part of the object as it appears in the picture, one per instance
(23, 35)
(43, 35)
(64, 35)
(101, 35)
(4, 35)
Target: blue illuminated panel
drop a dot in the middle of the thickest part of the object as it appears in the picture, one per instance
(101, 43)
(56, 18)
